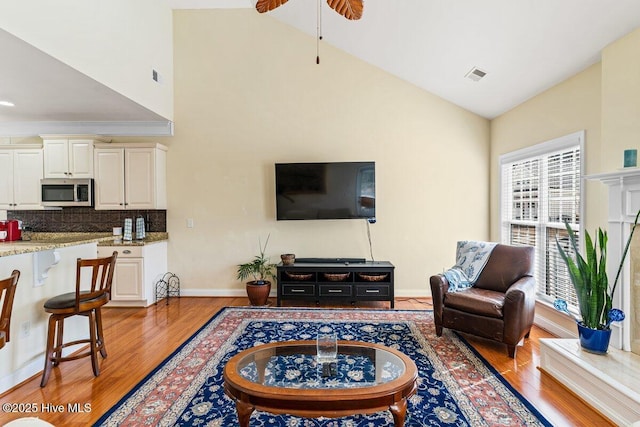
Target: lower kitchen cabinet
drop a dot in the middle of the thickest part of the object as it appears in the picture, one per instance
(138, 268)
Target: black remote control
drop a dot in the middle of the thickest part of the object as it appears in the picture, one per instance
(329, 369)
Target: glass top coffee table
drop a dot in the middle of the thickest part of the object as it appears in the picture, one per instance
(285, 378)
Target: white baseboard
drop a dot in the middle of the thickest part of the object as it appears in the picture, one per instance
(243, 293)
(218, 293)
(35, 367)
(551, 326)
(22, 374)
(551, 320)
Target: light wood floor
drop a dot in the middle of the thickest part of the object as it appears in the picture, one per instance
(139, 339)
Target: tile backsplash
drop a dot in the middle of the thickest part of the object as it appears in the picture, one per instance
(80, 219)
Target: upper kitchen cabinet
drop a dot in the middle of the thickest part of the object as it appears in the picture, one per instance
(130, 176)
(20, 175)
(67, 157)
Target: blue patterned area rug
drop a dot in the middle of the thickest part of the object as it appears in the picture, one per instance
(456, 387)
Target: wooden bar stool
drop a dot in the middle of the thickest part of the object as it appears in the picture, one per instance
(82, 302)
(7, 292)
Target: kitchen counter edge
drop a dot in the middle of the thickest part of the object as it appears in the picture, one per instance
(48, 241)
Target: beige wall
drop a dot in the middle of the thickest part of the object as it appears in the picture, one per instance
(249, 94)
(620, 99)
(116, 42)
(568, 107)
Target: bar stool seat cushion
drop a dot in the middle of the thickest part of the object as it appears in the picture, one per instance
(68, 300)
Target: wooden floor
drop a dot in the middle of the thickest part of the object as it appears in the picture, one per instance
(139, 339)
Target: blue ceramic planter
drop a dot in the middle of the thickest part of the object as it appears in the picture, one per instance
(594, 340)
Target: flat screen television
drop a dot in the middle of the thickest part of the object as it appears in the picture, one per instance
(336, 190)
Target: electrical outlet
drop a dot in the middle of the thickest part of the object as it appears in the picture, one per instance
(189, 222)
(25, 329)
(156, 76)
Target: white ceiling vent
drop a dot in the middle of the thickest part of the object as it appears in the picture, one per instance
(475, 74)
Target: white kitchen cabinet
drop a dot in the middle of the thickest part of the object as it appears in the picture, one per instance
(130, 176)
(138, 268)
(68, 158)
(20, 175)
(128, 280)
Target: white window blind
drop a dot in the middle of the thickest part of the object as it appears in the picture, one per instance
(540, 190)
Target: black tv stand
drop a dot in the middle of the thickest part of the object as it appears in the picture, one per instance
(344, 280)
(330, 260)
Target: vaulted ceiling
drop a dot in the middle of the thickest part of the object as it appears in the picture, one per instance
(524, 46)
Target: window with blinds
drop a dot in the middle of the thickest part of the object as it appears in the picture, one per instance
(540, 190)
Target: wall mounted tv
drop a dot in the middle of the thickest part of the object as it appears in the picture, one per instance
(337, 190)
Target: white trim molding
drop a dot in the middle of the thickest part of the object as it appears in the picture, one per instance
(624, 204)
(122, 128)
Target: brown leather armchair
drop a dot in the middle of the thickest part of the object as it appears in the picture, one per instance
(499, 306)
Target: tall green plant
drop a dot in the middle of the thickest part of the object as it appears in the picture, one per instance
(589, 276)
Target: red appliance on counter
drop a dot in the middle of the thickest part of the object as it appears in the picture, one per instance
(10, 230)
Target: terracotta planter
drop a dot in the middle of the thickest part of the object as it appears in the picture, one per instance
(258, 293)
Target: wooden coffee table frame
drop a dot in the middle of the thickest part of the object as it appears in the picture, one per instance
(322, 402)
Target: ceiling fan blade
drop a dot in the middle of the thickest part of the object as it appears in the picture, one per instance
(350, 9)
(263, 6)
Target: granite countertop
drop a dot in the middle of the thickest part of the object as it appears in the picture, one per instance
(48, 241)
(151, 237)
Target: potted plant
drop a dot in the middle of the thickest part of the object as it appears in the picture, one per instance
(595, 296)
(260, 269)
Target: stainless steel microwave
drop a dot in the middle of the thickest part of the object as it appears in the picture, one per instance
(67, 192)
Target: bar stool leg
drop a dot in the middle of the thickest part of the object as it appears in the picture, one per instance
(93, 343)
(57, 351)
(48, 357)
(101, 345)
